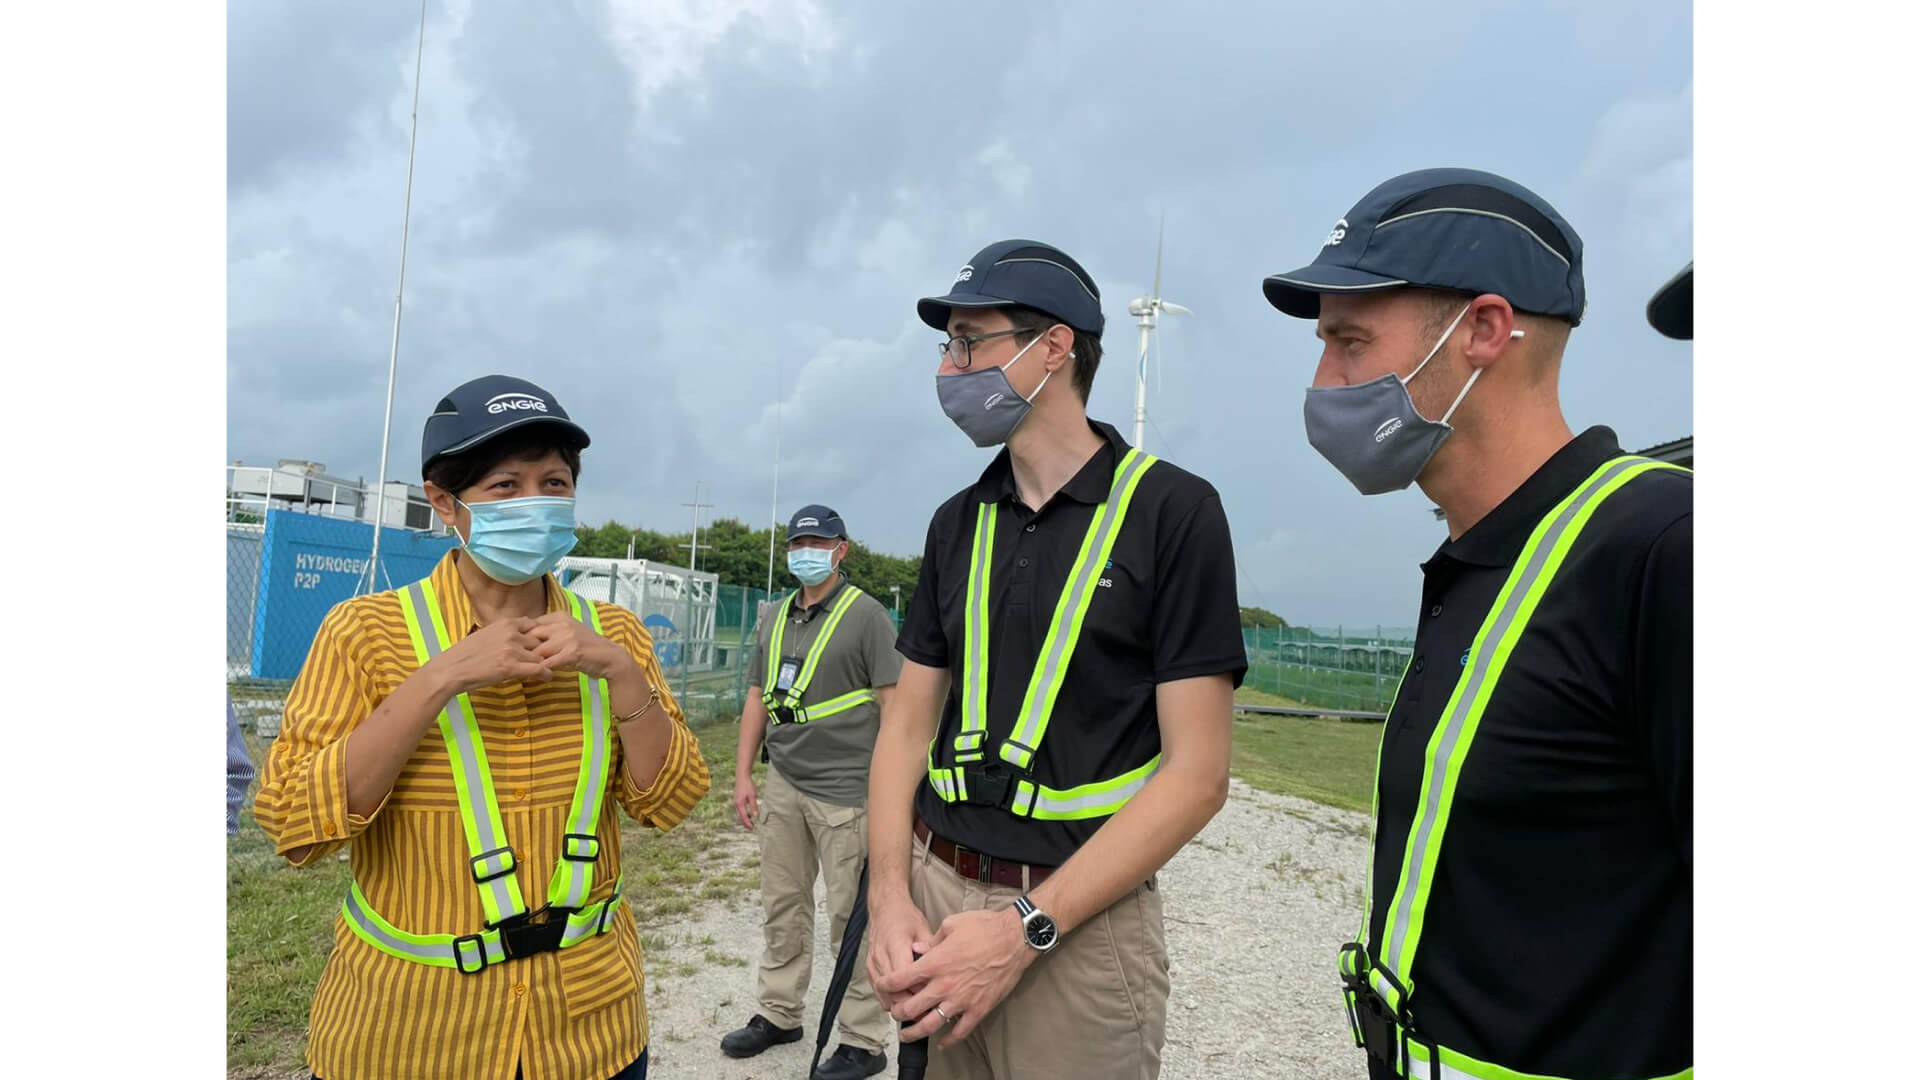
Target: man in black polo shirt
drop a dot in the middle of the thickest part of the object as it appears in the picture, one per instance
(1530, 897)
(1063, 719)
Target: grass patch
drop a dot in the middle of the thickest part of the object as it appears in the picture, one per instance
(280, 920)
(1328, 761)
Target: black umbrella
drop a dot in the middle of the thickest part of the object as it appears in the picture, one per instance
(913, 1056)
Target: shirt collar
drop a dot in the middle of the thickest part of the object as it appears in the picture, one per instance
(1496, 540)
(840, 582)
(457, 607)
(1090, 485)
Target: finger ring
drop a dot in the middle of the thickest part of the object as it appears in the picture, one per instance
(943, 1014)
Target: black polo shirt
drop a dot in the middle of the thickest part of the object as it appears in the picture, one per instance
(1559, 932)
(1165, 608)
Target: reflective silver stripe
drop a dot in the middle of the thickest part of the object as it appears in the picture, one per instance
(478, 808)
(1521, 583)
(584, 814)
(441, 952)
(836, 706)
(973, 692)
(586, 924)
(1048, 800)
(1057, 649)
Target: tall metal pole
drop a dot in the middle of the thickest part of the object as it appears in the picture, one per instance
(393, 352)
(773, 514)
(693, 559)
(1140, 379)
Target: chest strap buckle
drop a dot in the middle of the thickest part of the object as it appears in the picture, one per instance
(1385, 1033)
(523, 936)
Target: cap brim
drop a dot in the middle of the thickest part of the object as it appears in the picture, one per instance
(1671, 309)
(935, 310)
(578, 433)
(1298, 292)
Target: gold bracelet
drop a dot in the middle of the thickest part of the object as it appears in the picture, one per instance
(653, 698)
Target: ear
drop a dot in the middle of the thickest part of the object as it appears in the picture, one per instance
(1059, 340)
(446, 507)
(1488, 330)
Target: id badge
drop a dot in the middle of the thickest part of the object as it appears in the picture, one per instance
(789, 670)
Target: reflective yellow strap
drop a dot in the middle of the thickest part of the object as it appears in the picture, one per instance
(1506, 621)
(1100, 799)
(841, 604)
(572, 879)
(467, 953)
(494, 868)
(1070, 612)
(775, 645)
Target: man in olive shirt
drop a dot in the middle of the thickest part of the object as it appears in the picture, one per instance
(821, 669)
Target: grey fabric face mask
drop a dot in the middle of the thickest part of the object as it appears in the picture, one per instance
(1373, 434)
(984, 403)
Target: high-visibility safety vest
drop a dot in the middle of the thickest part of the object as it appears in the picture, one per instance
(785, 708)
(509, 932)
(962, 779)
(1387, 969)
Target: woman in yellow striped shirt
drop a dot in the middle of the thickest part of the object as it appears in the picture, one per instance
(466, 737)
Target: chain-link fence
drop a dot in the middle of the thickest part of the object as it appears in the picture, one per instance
(1343, 667)
(282, 581)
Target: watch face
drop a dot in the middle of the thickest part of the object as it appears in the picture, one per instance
(1041, 932)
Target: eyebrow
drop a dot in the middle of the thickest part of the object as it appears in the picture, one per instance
(1338, 327)
(961, 327)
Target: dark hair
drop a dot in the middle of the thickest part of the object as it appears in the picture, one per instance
(1086, 347)
(456, 473)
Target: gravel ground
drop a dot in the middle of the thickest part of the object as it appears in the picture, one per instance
(1257, 906)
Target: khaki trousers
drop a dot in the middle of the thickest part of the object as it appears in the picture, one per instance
(1093, 1008)
(799, 837)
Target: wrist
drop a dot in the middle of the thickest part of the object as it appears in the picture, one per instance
(621, 669)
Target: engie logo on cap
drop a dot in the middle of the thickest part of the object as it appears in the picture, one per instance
(966, 274)
(806, 523)
(516, 402)
(1336, 234)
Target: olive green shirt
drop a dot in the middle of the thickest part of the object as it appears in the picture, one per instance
(827, 759)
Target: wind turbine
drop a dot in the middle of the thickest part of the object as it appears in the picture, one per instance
(1147, 310)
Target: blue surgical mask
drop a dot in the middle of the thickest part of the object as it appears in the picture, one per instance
(516, 540)
(811, 565)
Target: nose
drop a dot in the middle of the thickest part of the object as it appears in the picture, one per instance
(1328, 372)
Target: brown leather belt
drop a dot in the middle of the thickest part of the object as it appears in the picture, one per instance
(977, 867)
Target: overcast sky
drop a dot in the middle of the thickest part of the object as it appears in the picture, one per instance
(680, 217)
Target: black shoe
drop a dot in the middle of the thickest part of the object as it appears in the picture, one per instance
(850, 1063)
(757, 1036)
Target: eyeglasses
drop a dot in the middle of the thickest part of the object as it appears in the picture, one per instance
(960, 350)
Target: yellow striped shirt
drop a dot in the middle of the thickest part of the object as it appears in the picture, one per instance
(566, 1015)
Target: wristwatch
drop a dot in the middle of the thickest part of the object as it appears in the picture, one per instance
(1041, 932)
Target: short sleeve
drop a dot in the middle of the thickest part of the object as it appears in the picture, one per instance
(1196, 605)
(922, 639)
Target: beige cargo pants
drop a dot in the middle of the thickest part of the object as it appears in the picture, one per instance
(800, 837)
(1093, 1008)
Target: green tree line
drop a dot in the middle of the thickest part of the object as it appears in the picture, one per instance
(738, 554)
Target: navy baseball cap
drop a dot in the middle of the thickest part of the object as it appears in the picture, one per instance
(817, 520)
(1671, 309)
(1458, 229)
(1023, 272)
(476, 411)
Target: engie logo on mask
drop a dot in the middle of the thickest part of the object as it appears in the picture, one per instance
(1380, 433)
(516, 402)
(993, 400)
